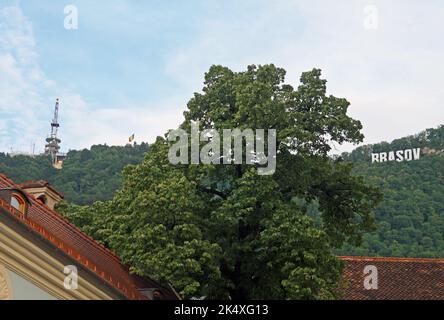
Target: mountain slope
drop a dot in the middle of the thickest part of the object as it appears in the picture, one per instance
(411, 217)
(87, 176)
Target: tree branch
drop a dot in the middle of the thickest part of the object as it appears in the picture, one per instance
(213, 191)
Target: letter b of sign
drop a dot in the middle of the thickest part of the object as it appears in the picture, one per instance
(370, 278)
(72, 278)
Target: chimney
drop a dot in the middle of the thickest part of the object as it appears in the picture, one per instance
(43, 192)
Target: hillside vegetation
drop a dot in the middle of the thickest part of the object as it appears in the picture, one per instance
(87, 176)
(411, 218)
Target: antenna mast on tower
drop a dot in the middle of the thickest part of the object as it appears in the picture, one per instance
(52, 146)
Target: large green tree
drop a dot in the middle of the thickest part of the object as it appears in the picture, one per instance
(223, 231)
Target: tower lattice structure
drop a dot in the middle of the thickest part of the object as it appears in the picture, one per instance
(52, 146)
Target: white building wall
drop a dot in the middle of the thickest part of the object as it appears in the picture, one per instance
(22, 289)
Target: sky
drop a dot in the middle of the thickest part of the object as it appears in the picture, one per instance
(131, 66)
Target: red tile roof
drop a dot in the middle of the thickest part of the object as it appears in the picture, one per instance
(76, 244)
(40, 184)
(398, 279)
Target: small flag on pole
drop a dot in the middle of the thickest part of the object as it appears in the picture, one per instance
(131, 139)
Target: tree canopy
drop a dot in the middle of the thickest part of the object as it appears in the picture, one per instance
(223, 231)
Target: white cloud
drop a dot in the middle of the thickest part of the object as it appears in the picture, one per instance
(20, 81)
(27, 97)
(84, 126)
(391, 76)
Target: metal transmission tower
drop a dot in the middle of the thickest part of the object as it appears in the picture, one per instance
(52, 146)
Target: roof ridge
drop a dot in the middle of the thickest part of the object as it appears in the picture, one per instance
(40, 184)
(122, 283)
(65, 221)
(128, 288)
(77, 229)
(391, 259)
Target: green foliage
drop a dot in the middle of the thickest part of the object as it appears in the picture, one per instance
(87, 175)
(223, 231)
(411, 217)
(431, 139)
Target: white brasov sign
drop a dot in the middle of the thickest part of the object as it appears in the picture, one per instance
(399, 156)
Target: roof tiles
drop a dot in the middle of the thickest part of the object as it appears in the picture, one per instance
(397, 279)
(76, 244)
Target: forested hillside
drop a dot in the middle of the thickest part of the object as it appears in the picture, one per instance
(431, 142)
(87, 176)
(411, 218)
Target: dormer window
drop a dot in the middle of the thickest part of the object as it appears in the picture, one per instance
(43, 192)
(42, 199)
(18, 202)
(17, 199)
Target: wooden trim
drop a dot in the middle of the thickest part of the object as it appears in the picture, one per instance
(5, 285)
(20, 200)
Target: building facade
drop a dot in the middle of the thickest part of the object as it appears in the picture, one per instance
(44, 257)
